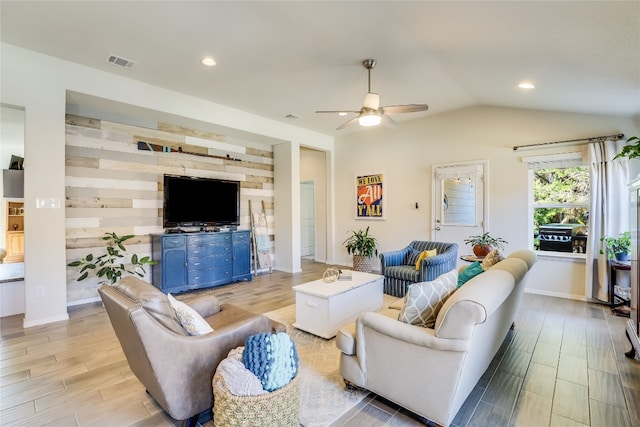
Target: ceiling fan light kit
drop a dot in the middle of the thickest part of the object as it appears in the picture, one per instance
(371, 114)
(369, 118)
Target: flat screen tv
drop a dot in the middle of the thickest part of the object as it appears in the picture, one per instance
(190, 201)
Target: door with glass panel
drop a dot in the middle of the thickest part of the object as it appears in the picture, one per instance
(459, 208)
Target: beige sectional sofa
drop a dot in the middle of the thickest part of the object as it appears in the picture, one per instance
(431, 371)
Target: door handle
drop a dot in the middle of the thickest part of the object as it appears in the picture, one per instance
(437, 228)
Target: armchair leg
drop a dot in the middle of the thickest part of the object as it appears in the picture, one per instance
(191, 422)
(348, 385)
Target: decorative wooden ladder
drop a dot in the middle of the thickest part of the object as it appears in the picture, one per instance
(260, 239)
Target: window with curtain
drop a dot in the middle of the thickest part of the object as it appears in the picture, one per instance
(559, 189)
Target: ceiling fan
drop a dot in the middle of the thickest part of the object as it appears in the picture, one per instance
(371, 114)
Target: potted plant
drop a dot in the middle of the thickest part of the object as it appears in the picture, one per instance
(110, 265)
(618, 248)
(631, 150)
(484, 243)
(362, 246)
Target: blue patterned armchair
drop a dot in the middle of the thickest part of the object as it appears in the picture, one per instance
(399, 269)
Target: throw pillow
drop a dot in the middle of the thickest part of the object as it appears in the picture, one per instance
(412, 257)
(469, 273)
(190, 320)
(424, 255)
(272, 358)
(492, 259)
(425, 299)
(239, 380)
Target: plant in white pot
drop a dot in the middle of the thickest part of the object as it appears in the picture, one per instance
(362, 246)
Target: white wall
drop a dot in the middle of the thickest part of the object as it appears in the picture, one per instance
(39, 84)
(405, 155)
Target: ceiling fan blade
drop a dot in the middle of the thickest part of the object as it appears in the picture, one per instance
(344, 125)
(338, 111)
(409, 108)
(389, 122)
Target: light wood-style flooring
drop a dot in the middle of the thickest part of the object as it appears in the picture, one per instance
(563, 365)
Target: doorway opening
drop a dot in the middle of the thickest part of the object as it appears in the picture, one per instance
(307, 220)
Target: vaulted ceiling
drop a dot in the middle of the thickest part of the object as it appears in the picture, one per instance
(292, 58)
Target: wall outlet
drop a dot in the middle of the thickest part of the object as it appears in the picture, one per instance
(40, 292)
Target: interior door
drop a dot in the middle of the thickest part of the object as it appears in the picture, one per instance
(459, 205)
(307, 220)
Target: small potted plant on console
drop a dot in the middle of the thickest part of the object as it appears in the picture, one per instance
(484, 243)
(618, 248)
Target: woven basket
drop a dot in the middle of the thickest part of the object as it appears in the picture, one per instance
(276, 409)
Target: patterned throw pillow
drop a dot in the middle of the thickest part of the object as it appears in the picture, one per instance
(425, 299)
(469, 273)
(190, 320)
(492, 259)
(424, 255)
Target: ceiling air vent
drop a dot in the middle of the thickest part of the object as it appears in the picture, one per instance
(120, 61)
(292, 116)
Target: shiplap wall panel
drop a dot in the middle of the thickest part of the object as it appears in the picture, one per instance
(179, 130)
(111, 186)
(216, 146)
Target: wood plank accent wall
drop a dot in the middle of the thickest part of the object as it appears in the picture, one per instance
(111, 186)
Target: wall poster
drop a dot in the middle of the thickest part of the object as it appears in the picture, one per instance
(369, 197)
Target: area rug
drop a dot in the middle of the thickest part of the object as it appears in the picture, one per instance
(323, 396)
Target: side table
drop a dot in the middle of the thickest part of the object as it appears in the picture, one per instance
(471, 258)
(617, 302)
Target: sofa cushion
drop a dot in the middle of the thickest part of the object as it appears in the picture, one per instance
(492, 259)
(346, 337)
(403, 272)
(469, 273)
(152, 300)
(189, 319)
(425, 299)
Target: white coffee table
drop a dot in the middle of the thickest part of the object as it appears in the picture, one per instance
(322, 308)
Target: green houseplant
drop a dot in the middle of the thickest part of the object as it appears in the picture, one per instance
(631, 150)
(618, 248)
(362, 246)
(484, 243)
(110, 266)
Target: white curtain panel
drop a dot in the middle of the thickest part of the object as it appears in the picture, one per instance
(608, 213)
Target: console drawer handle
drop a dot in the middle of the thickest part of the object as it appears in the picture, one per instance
(311, 304)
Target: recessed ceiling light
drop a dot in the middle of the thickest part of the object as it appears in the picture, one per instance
(342, 113)
(526, 85)
(208, 61)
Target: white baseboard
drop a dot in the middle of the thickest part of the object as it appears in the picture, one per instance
(557, 294)
(44, 320)
(83, 301)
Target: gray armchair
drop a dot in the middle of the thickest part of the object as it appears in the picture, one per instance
(176, 368)
(399, 273)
